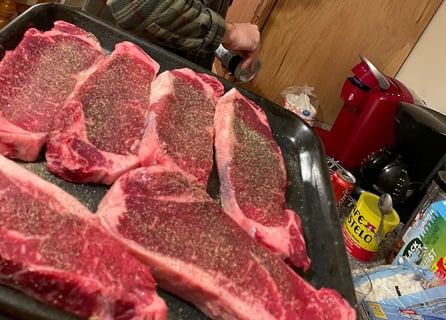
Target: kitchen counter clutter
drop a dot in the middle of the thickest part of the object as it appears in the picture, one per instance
(412, 282)
(406, 277)
(404, 165)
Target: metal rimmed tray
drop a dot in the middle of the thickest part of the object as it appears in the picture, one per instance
(309, 192)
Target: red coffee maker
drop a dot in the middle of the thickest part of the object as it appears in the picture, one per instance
(365, 124)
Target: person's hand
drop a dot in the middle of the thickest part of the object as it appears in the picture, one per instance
(244, 40)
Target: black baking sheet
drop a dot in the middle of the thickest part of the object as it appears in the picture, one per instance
(309, 192)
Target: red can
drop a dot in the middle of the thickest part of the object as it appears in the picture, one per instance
(343, 183)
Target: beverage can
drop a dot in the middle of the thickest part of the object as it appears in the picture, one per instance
(232, 63)
(343, 184)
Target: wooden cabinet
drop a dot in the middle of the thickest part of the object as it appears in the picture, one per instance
(7, 11)
(254, 11)
(318, 42)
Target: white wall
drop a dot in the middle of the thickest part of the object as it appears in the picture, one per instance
(424, 71)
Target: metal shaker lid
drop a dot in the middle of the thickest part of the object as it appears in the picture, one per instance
(247, 75)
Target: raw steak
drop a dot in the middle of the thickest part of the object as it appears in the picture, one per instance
(197, 252)
(253, 178)
(55, 250)
(35, 80)
(180, 123)
(97, 135)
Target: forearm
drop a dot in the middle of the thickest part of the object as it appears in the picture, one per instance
(178, 24)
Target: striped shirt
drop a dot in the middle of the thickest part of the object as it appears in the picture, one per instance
(191, 28)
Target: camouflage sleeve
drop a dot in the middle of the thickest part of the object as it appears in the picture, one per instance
(185, 25)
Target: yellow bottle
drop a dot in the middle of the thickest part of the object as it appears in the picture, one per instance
(7, 11)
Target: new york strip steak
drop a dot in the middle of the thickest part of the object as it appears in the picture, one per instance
(97, 135)
(55, 250)
(180, 127)
(253, 178)
(198, 253)
(35, 80)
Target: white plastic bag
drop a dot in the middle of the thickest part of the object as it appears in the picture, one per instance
(302, 101)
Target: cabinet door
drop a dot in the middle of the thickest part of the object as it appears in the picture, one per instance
(254, 11)
(318, 43)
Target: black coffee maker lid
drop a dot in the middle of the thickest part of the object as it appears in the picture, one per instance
(420, 135)
(425, 116)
